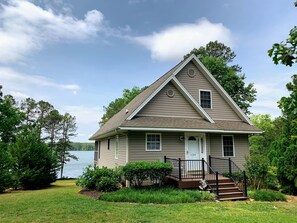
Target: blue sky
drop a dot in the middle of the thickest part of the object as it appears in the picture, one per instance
(80, 54)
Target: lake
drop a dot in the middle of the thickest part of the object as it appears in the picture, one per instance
(74, 168)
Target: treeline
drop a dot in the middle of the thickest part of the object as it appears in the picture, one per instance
(82, 146)
(35, 139)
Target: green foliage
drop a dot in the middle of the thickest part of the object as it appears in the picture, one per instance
(238, 176)
(82, 146)
(257, 167)
(10, 119)
(5, 166)
(119, 103)
(100, 179)
(34, 164)
(215, 56)
(271, 181)
(266, 195)
(137, 172)
(159, 195)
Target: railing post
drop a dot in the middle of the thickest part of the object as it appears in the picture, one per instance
(203, 171)
(217, 184)
(179, 168)
(165, 159)
(209, 163)
(244, 184)
(230, 169)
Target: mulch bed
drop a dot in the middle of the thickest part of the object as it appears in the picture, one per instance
(90, 193)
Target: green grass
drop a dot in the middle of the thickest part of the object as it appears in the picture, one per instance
(164, 195)
(266, 195)
(62, 203)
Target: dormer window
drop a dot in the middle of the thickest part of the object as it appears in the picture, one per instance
(205, 98)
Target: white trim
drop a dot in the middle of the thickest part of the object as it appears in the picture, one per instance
(222, 136)
(191, 100)
(225, 95)
(117, 147)
(160, 87)
(153, 133)
(188, 130)
(200, 136)
(200, 98)
(127, 148)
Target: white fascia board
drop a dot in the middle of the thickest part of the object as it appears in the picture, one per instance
(191, 100)
(225, 95)
(189, 130)
(160, 87)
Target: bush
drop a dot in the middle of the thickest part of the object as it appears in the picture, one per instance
(5, 166)
(137, 172)
(271, 181)
(237, 176)
(160, 195)
(100, 179)
(34, 162)
(265, 195)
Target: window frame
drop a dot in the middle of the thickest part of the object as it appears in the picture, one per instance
(233, 145)
(148, 150)
(117, 149)
(210, 98)
(108, 144)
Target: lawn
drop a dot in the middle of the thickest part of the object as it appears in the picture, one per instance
(62, 203)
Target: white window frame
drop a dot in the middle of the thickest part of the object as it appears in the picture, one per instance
(116, 150)
(152, 133)
(222, 139)
(210, 98)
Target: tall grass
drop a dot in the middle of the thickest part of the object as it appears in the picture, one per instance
(266, 195)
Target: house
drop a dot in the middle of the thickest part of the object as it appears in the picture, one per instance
(185, 114)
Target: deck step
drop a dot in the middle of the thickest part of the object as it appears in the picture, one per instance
(227, 189)
(230, 194)
(234, 198)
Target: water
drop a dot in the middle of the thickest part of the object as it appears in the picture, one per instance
(74, 168)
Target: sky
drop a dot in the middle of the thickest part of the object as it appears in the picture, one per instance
(79, 55)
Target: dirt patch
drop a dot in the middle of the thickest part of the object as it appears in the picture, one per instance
(291, 198)
(90, 193)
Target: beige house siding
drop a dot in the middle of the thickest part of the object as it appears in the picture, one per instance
(107, 157)
(172, 147)
(162, 105)
(241, 150)
(220, 108)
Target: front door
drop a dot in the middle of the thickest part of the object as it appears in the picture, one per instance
(193, 153)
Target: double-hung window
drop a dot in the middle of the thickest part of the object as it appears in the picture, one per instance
(228, 145)
(153, 142)
(205, 98)
(117, 147)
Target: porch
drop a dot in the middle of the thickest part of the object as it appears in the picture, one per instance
(227, 185)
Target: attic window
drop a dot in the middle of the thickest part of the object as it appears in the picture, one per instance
(205, 98)
(170, 93)
(191, 72)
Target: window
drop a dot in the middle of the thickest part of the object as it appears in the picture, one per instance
(228, 145)
(117, 147)
(108, 144)
(205, 98)
(96, 151)
(153, 142)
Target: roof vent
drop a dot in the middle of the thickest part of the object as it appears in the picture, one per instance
(191, 72)
(170, 93)
(127, 111)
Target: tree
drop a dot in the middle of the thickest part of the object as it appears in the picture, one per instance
(68, 130)
(10, 119)
(215, 56)
(52, 127)
(5, 167)
(285, 52)
(119, 103)
(34, 163)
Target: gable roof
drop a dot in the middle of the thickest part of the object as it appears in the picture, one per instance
(123, 117)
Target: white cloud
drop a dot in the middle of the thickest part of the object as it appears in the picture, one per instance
(18, 95)
(16, 82)
(25, 27)
(174, 42)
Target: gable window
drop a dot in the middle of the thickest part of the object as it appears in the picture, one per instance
(117, 147)
(228, 145)
(108, 144)
(153, 142)
(205, 98)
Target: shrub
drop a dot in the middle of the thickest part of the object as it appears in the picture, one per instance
(100, 179)
(137, 172)
(265, 195)
(271, 181)
(5, 165)
(238, 176)
(160, 195)
(34, 162)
